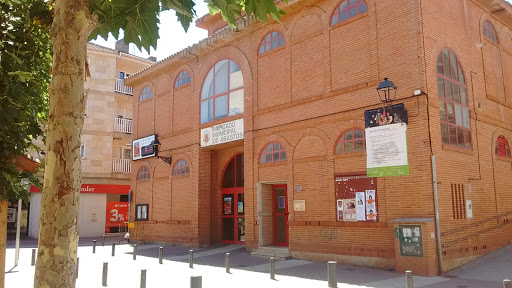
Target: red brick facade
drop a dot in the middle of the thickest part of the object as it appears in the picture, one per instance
(304, 95)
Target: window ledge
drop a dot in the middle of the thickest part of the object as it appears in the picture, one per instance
(457, 149)
(501, 158)
(181, 175)
(276, 163)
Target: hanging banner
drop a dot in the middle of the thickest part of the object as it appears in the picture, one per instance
(385, 116)
(222, 133)
(386, 151)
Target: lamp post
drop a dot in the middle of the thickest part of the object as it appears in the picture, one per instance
(157, 144)
(386, 91)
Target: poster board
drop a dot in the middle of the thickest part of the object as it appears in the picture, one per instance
(356, 198)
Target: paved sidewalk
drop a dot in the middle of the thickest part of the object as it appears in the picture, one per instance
(246, 271)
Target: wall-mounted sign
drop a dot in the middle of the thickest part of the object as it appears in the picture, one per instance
(298, 188)
(116, 216)
(144, 147)
(299, 205)
(222, 133)
(96, 188)
(386, 141)
(410, 240)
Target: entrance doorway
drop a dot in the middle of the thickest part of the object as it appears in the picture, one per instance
(280, 214)
(233, 204)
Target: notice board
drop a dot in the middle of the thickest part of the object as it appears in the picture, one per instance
(356, 198)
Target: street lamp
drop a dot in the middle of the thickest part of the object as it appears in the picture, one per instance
(386, 91)
(157, 144)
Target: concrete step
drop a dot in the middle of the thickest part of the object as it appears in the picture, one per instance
(282, 253)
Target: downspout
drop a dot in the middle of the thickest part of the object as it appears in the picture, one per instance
(433, 157)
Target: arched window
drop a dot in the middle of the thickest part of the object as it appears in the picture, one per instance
(181, 168)
(145, 94)
(348, 9)
(223, 92)
(183, 78)
(143, 173)
(490, 32)
(273, 40)
(502, 148)
(351, 141)
(453, 104)
(273, 152)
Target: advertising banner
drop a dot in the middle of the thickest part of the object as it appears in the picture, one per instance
(386, 151)
(144, 147)
(117, 215)
(222, 133)
(385, 116)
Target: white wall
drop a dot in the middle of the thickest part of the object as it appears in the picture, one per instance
(91, 217)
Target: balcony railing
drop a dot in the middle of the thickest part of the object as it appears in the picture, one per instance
(121, 165)
(123, 89)
(123, 125)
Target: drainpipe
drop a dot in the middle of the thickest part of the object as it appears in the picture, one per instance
(436, 209)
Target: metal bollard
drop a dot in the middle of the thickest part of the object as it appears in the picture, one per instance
(142, 278)
(134, 251)
(507, 283)
(228, 262)
(33, 257)
(332, 281)
(191, 259)
(272, 268)
(77, 263)
(103, 243)
(93, 246)
(408, 279)
(113, 249)
(104, 275)
(160, 254)
(196, 281)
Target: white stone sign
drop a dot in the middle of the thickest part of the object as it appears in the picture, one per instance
(222, 133)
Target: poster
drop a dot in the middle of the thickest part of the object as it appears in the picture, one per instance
(240, 207)
(371, 207)
(410, 240)
(117, 215)
(339, 210)
(360, 206)
(386, 151)
(228, 205)
(385, 116)
(349, 210)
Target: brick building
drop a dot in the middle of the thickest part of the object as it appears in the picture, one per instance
(265, 126)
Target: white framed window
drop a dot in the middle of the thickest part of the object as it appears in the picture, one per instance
(141, 212)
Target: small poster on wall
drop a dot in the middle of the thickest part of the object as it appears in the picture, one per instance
(339, 209)
(349, 210)
(371, 208)
(228, 205)
(360, 206)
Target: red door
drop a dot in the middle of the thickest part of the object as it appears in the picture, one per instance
(233, 204)
(280, 215)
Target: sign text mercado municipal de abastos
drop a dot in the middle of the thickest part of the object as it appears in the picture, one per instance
(222, 133)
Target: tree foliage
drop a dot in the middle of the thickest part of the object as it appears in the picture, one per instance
(25, 62)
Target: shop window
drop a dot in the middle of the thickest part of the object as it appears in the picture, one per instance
(502, 148)
(271, 41)
(145, 94)
(223, 92)
(453, 103)
(348, 9)
(181, 168)
(183, 78)
(143, 173)
(273, 152)
(141, 212)
(490, 32)
(351, 141)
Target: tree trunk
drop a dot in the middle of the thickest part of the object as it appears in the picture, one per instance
(3, 240)
(58, 232)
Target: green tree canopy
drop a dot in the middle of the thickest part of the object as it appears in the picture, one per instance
(25, 62)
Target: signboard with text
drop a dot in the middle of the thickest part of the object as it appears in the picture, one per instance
(117, 215)
(222, 133)
(144, 147)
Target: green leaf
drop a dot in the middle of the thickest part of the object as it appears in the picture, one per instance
(23, 75)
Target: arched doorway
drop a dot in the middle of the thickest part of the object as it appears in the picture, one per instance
(233, 204)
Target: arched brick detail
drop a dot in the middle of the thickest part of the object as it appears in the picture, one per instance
(184, 156)
(310, 11)
(342, 128)
(161, 170)
(187, 68)
(499, 132)
(312, 132)
(138, 89)
(162, 86)
(137, 166)
(307, 25)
